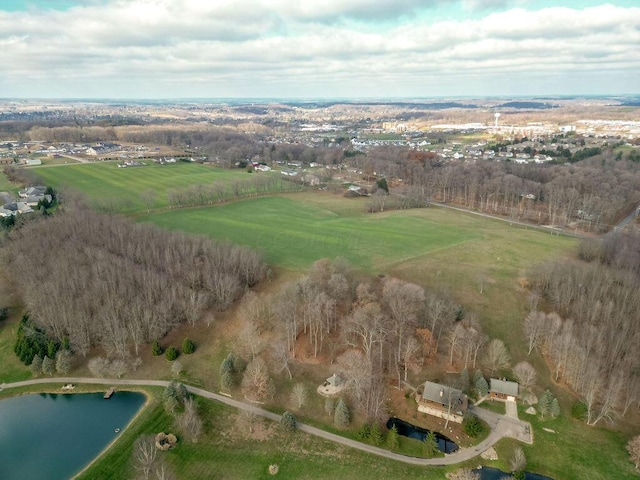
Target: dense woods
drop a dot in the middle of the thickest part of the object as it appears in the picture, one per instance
(592, 194)
(592, 337)
(102, 280)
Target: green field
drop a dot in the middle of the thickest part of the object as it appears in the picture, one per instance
(482, 263)
(105, 183)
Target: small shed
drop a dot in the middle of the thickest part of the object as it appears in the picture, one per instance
(503, 390)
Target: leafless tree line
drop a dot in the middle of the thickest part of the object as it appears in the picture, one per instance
(101, 280)
(594, 193)
(592, 340)
(374, 328)
(219, 192)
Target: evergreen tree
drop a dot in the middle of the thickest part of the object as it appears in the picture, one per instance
(227, 365)
(341, 414)
(170, 405)
(227, 381)
(156, 349)
(472, 425)
(52, 349)
(393, 439)
(482, 386)
(288, 422)
(170, 391)
(376, 437)
(47, 365)
(36, 365)
(63, 362)
(239, 363)
(430, 444)
(188, 347)
(383, 185)
(364, 431)
(171, 354)
(544, 403)
(181, 392)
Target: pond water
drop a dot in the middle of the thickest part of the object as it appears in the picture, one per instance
(406, 429)
(55, 436)
(489, 473)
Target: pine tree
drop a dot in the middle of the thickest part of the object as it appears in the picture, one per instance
(482, 386)
(227, 381)
(63, 362)
(188, 347)
(156, 349)
(288, 422)
(171, 354)
(181, 392)
(544, 403)
(430, 444)
(393, 439)
(376, 437)
(364, 432)
(36, 365)
(341, 415)
(47, 365)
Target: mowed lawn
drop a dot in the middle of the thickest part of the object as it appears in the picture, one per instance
(105, 183)
(294, 231)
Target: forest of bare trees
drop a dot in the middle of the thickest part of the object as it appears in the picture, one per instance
(102, 280)
(374, 329)
(592, 336)
(592, 194)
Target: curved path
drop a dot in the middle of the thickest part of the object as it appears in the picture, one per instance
(501, 426)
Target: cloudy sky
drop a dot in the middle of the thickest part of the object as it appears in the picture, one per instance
(317, 48)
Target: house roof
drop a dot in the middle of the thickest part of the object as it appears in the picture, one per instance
(504, 387)
(434, 392)
(335, 380)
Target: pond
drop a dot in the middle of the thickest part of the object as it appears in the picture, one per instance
(55, 436)
(406, 429)
(489, 473)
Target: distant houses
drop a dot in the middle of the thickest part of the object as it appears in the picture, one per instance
(28, 198)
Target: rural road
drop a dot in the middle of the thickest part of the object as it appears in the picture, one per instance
(501, 426)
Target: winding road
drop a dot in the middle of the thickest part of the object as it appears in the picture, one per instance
(501, 425)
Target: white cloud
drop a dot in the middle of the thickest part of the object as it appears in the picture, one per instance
(275, 47)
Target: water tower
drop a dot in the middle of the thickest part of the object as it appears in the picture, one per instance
(497, 116)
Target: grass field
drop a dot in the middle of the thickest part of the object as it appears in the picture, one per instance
(483, 264)
(434, 247)
(105, 182)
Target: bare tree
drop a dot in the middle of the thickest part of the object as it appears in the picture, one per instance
(534, 324)
(119, 367)
(144, 455)
(465, 474)
(633, 447)
(99, 366)
(300, 394)
(518, 461)
(525, 374)
(281, 358)
(189, 421)
(256, 380)
(496, 356)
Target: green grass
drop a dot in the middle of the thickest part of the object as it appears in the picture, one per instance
(105, 182)
(574, 452)
(294, 232)
(222, 452)
(11, 370)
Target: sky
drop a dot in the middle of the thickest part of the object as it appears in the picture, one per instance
(312, 49)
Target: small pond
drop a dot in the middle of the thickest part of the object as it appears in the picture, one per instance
(55, 436)
(406, 429)
(489, 473)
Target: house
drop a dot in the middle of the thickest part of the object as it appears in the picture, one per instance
(34, 191)
(443, 402)
(332, 386)
(14, 208)
(503, 390)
